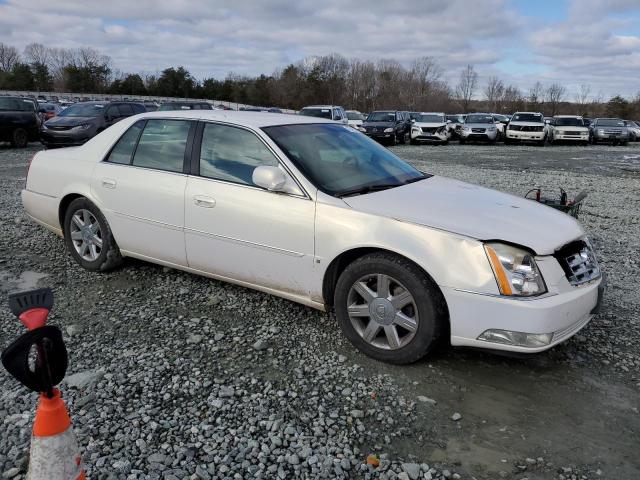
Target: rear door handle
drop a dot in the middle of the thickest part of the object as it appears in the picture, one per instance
(108, 183)
(204, 201)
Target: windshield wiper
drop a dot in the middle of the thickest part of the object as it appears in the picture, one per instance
(375, 188)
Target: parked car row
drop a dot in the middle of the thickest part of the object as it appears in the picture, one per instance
(394, 126)
(27, 119)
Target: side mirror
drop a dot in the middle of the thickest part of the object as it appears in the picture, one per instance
(547, 121)
(413, 120)
(42, 110)
(448, 121)
(274, 180)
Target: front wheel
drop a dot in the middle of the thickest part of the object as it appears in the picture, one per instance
(19, 138)
(389, 308)
(89, 238)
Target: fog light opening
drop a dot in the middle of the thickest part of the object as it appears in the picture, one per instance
(518, 339)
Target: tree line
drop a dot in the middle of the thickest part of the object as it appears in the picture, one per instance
(329, 79)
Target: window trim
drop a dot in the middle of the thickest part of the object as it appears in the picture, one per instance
(196, 150)
(187, 151)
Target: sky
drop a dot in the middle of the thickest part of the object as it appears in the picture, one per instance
(572, 42)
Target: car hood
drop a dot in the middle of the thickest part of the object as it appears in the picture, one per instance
(473, 211)
(69, 121)
(429, 124)
(528, 124)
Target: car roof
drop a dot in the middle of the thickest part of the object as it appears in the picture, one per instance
(533, 113)
(322, 106)
(431, 113)
(567, 116)
(249, 119)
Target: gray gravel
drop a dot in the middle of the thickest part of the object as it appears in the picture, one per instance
(174, 376)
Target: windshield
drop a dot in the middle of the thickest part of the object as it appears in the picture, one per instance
(16, 104)
(165, 107)
(527, 117)
(426, 118)
(455, 118)
(381, 117)
(568, 122)
(86, 110)
(338, 159)
(501, 118)
(316, 112)
(355, 116)
(610, 122)
(479, 119)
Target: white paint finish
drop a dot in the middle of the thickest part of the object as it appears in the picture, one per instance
(145, 210)
(283, 244)
(450, 259)
(473, 211)
(250, 234)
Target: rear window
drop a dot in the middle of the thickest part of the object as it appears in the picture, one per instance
(125, 110)
(610, 122)
(316, 112)
(162, 145)
(123, 150)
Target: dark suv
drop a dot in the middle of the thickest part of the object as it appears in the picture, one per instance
(391, 126)
(19, 121)
(82, 121)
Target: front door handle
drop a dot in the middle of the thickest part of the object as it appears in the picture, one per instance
(108, 183)
(203, 201)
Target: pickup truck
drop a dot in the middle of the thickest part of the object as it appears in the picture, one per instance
(19, 121)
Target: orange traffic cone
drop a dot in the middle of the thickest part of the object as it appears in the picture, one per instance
(54, 450)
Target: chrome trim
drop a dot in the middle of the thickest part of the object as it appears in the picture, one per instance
(261, 246)
(169, 226)
(510, 297)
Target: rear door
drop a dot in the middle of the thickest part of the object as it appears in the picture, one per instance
(140, 189)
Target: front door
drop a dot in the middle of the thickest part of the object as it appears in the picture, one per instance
(239, 231)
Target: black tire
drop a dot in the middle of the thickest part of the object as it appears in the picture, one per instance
(428, 299)
(446, 142)
(403, 138)
(413, 142)
(461, 141)
(393, 140)
(19, 138)
(109, 257)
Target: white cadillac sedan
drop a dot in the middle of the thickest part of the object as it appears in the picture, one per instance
(316, 212)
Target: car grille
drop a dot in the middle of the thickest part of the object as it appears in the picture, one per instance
(578, 262)
(477, 130)
(572, 133)
(613, 131)
(526, 128)
(429, 129)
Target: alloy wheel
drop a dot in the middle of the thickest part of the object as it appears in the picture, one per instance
(86, 235)
(382, 311)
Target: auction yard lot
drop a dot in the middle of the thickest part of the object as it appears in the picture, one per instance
(187, 377)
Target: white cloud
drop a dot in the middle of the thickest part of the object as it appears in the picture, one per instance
(213, 37)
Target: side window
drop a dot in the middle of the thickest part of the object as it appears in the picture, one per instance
(123, 150)
(112, 112)
(336, 114)
(231, 154)
(162, 145)
(125, 110)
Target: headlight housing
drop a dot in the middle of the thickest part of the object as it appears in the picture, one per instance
(388, 130)
(491, 129)
(600, 131)
(515, 270)
(84, 126)
(466, 129)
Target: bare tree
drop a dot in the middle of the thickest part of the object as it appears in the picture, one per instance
(582, 98)
(512, 98)
(536, 94)
(554, 96)
(37, 54)
(466, 86)
(494, 91)
(8, 57)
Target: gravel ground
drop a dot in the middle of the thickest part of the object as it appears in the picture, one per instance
(174, 376)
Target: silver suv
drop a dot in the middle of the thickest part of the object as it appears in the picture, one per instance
(611, 130)
(330, 112)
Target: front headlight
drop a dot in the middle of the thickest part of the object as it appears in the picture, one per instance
(492, 129)
(361, 128)
(388, 130)
(600, 131)
(466, 129)
(515, 270)
(84, 126)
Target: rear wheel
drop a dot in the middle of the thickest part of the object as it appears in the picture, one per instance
(19, 138)
(89, 238)
(462, 141)
(389, 308)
